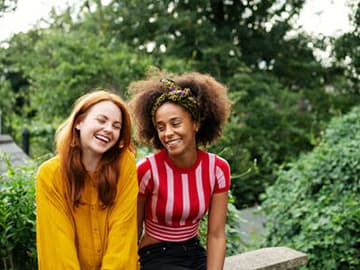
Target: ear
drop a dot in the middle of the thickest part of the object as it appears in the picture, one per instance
(196, 126)
(77, 127)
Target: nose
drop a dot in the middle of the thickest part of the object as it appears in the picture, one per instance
(168, 132)
(108, 127)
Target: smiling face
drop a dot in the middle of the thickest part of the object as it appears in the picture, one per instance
(100, 128)
(176, 130)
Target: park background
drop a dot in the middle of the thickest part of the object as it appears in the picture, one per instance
(292, 139)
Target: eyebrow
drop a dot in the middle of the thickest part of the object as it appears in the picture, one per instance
(171, 119)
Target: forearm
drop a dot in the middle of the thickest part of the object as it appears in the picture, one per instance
(140, 214)
(216, 247)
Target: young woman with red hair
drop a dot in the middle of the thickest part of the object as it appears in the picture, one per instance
(86, 195)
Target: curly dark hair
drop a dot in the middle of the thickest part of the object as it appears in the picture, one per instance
(214, 106)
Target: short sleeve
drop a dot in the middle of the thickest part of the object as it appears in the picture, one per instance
(222, 175)
(144, 176)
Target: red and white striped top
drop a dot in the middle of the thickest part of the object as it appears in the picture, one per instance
(178, 198)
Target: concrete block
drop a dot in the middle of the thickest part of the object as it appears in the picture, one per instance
(272, 258)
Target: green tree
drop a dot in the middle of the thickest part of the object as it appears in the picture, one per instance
(14, 81)
(347, 52)
(282, 95)
(7, 6)
(218, 35)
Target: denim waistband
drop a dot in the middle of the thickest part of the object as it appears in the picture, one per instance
(187, 243)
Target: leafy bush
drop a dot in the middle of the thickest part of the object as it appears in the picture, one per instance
(17, 217)
(234, 243)
(314, 206)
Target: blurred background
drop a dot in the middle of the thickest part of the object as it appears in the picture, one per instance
(292, 70)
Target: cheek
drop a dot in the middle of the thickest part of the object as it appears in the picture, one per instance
(160, 135)
(117, 134)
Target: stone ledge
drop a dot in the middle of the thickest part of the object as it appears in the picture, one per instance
(5, 139)
(272, 258)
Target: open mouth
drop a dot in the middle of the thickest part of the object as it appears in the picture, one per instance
(173, 142)
(102, 138)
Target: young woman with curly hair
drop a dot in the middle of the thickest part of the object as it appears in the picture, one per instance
(86, 196)
(180, 183)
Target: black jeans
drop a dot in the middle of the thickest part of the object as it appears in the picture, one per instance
(184, 255)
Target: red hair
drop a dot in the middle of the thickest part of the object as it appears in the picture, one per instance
(69, 150)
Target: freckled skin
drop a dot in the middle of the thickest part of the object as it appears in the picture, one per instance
(100, 129)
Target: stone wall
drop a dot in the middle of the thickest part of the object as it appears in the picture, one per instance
(9, 149)
(272, 258)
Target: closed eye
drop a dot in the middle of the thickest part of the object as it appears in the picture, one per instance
(160, 128)
(101, 120)
(117, 126)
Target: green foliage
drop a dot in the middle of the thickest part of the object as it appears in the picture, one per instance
(70, 64)
(45, 72)
(314, 206)
(7, 6)
(17, 217)
(282, 96)
(14, 80)
(217, 35)
(346, 51)
(269, 125)
(234, 243)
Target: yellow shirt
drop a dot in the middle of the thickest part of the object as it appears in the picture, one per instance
(86, 237)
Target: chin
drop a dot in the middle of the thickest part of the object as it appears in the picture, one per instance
(174, 152)
(101, 151)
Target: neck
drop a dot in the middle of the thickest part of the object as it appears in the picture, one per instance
(90, 161)
(186, 160)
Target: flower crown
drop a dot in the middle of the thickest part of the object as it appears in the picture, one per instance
(174, 93)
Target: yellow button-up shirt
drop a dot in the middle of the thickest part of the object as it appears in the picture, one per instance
(87, 237)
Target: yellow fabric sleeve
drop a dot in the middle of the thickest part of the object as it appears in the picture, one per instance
(121, 250)
(54, 225)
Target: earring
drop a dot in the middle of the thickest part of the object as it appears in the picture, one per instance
(73, 143)
(121, 144)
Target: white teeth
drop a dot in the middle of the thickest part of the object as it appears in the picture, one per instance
(102, 138)
(173, 142)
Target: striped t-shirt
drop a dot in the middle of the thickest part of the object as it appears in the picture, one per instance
(178, 198)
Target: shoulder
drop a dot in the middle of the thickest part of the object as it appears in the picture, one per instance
(127, 163)
(49, 174)
(50, 166)
(222, 165)
(220, 161)
(222, 174)
(127, 156)
(146, 161)
(217, 161)
(149, 165)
